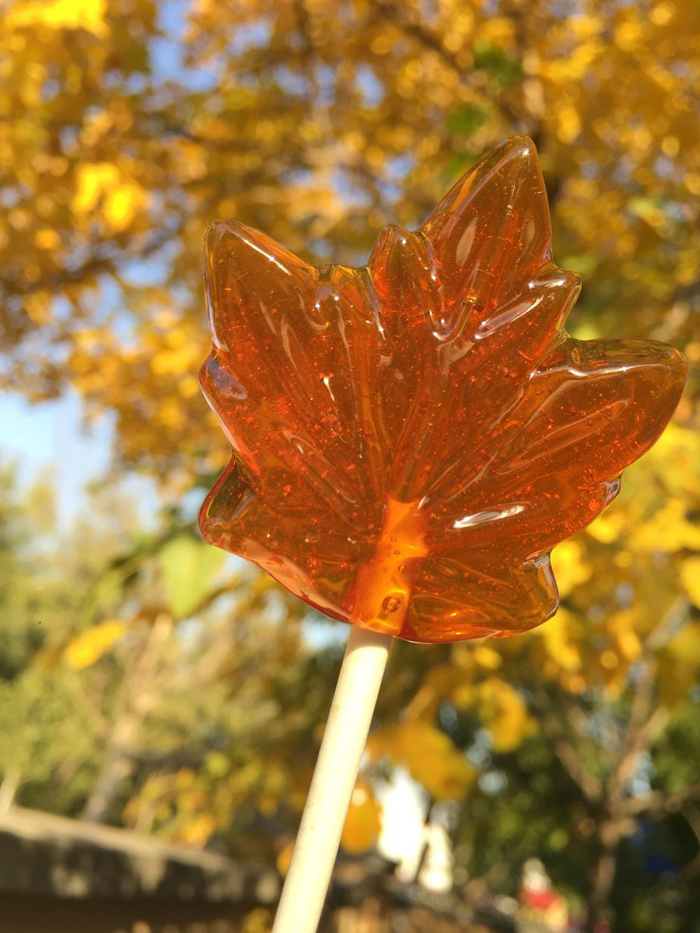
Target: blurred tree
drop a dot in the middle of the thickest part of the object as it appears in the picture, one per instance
(144, 681)
(585, 715)
(126, 128)
(48, 729)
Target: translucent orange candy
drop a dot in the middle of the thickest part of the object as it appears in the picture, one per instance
(411, 438)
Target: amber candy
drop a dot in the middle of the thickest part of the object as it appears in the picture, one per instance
(412, 438)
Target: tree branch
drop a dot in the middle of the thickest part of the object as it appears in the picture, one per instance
(588, 783)
(658, 802)
(395, 14)
(645, 724)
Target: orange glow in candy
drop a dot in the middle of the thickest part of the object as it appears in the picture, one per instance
(412, 438)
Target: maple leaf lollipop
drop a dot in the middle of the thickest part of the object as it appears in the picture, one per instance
(412, 438)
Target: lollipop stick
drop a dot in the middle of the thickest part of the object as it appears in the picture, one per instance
(333, 781)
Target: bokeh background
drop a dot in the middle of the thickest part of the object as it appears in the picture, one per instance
(149, 683)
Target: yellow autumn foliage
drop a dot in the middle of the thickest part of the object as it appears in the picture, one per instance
(504, 714)
(561, 637)
(60, 14)
(284, 858)
(103, 189)
(428, 754)
(363, 822)
(89, 646)
(197, 830)
(690, 578)
(570, 566)
(684, 648)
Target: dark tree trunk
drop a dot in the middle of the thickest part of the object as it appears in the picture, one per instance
(138, 696)
(600, 883)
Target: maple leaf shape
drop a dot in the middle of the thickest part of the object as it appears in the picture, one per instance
(411, 438)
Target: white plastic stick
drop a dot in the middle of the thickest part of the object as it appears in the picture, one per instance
(348, 723)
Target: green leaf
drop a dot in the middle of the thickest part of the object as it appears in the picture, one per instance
(502, 69)
(188, 567)
(467, 120)
(583, 263)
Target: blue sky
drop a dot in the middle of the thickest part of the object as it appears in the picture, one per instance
(52, 435)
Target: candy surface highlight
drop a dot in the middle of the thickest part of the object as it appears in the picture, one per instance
(412, 438)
